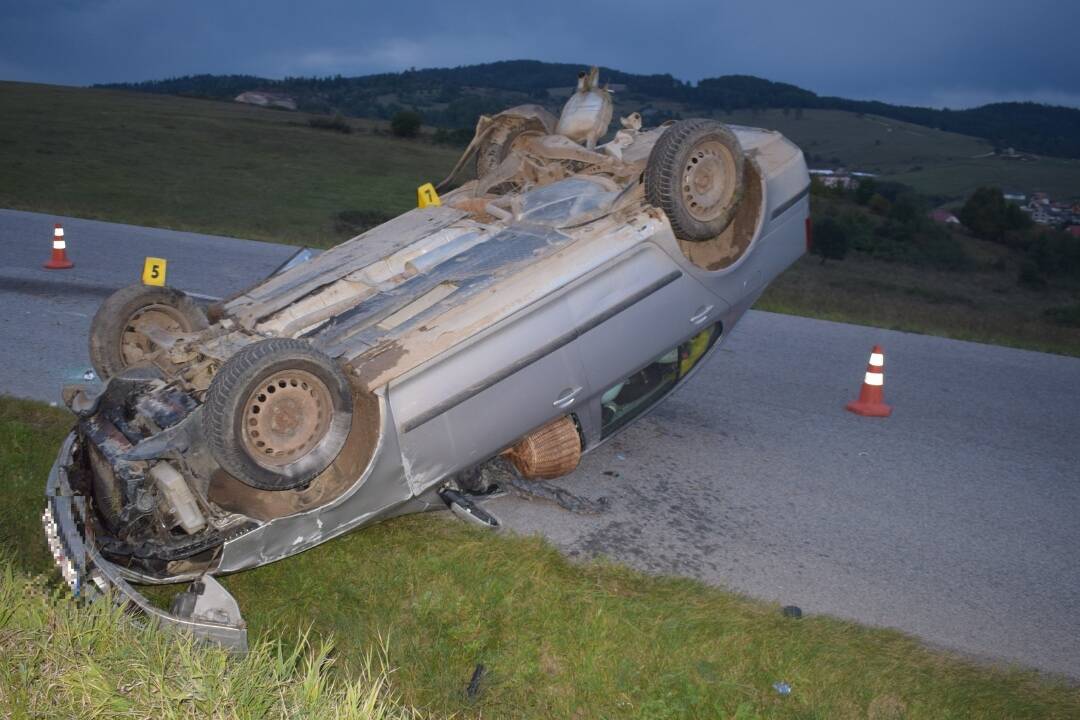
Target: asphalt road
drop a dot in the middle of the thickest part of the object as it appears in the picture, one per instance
(957, 519)
(46, 314)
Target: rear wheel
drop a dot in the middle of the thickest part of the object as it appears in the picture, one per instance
(119, 332)
(695, 175)
(507, 134)
(277, 414)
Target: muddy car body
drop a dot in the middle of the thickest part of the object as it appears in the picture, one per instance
(544, 304)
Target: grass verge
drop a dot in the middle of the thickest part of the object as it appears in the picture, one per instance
(558, 639)
(62, 660)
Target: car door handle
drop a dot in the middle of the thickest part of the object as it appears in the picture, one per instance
(566, 398)
(702, 314)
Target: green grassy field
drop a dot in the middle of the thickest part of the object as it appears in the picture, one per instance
(984, 304)
(958, 178)
(559, 639)
(198, 165)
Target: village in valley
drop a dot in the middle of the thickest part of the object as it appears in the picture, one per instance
(1039, 206)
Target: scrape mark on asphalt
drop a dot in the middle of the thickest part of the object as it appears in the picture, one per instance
(52, 288)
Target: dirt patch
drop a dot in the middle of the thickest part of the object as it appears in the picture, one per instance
(368, 369)
(727, 247)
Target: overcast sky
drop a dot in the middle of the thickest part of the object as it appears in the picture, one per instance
(953, 53)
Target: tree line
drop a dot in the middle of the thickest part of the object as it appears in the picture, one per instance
(891, 222)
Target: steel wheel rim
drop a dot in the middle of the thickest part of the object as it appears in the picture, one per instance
(286, 417)
(707, 186)
(134, 344)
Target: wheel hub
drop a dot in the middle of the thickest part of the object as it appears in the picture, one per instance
(707, 180)
(286, 417)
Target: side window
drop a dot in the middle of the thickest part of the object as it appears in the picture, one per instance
(630, 397)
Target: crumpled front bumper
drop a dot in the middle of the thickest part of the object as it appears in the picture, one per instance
(69, 532)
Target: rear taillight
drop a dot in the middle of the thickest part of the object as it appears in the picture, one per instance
(809, 234)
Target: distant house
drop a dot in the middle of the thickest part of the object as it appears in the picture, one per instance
(266, 99)
(1016, 197)
(840, 177)
(945, 217)
(841, 181)
(1040, 212)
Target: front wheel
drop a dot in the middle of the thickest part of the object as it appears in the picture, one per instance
(277, 414)
(695, 175)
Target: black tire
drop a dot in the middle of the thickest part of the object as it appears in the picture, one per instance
(500, 140)
(234, 402)
(688, 147)
(113, 320)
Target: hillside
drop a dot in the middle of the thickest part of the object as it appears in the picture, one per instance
(453, 97)
(222, 168)
(944, 165)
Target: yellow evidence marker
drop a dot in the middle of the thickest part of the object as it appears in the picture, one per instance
(153, 271)
(426, 195)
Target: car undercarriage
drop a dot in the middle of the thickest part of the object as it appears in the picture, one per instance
(557, 291)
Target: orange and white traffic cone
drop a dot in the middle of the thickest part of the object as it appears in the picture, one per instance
(871, 402)
(59, 259)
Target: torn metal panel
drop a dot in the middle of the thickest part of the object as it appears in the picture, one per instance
(69, 528)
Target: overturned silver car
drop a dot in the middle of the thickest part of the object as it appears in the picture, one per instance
(559, 291)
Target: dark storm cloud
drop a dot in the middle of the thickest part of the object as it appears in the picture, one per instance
(942, 53)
